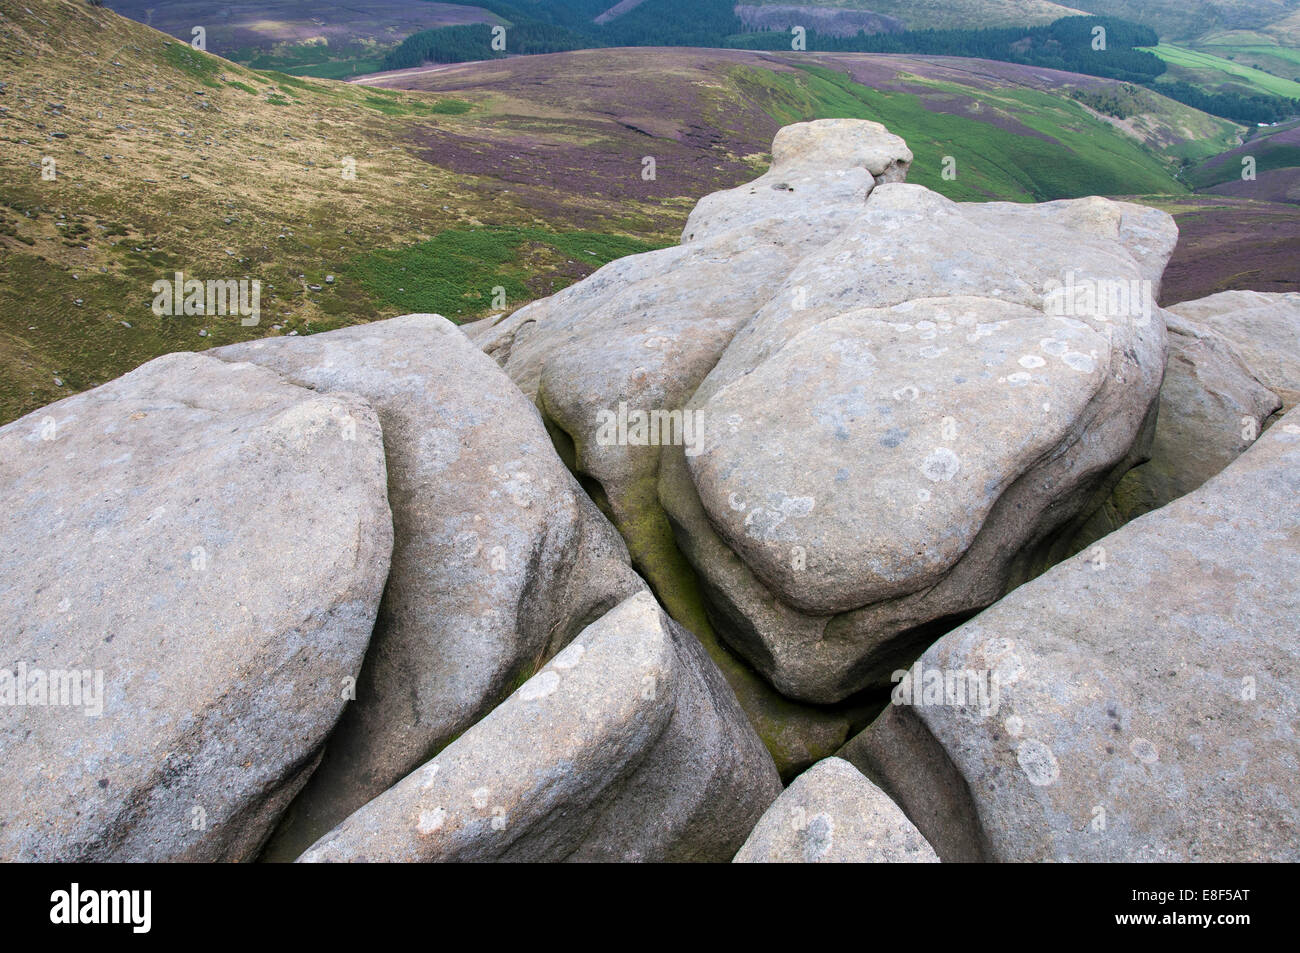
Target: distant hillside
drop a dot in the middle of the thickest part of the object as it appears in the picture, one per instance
(520, 175)
(826, 20)
(953, 14)
(1014, 131)
(1272, 155)
(1017, 131)
(166, 159)
(1254, 50)
(1236, 58)
(298, 36)
(1091, 44)
(1225, 47)
(1186, 19)
(1219, 71)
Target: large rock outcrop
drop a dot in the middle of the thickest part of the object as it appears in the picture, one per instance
(628, 745)
(1265, 329)
(1146, 699)
(196, 550)
(642, 332)
(499, 558)
(898, 447)
(832, 814)
(891, 403)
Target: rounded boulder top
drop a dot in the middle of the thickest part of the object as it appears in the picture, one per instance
(840, 143)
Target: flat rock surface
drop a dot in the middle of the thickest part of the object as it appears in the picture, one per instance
(1211, 409)
(1264, 326)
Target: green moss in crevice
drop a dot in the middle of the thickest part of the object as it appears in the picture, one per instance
(643, 524)
(796, 734)
(526, 671)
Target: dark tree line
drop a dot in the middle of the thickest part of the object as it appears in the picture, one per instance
(1236, 106)
(552, 26)
(463, 44)
(1066, 44)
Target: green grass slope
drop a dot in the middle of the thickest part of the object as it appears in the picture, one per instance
(1049, 147)
(1259, 51)
(168, 159)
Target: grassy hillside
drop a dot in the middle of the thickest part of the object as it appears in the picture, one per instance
(1012, 143)
(168, 159)
(1271, 149)
(515, 177)
(1272, 155)
(1259, 51)
(1251, 47)
(1287, 29)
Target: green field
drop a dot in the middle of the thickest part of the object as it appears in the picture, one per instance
(1228, 50)
(1207, 64)
(1253, 49)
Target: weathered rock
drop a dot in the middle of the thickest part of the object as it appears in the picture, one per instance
(499, 558)
(890, 412)
(1146, 695)
(1265, 329)
(642, 332)
(213, 543)
(628, 745)
(821, 174)
(1211, 409)
(895, 450)
(645, 329)
(832, 814)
